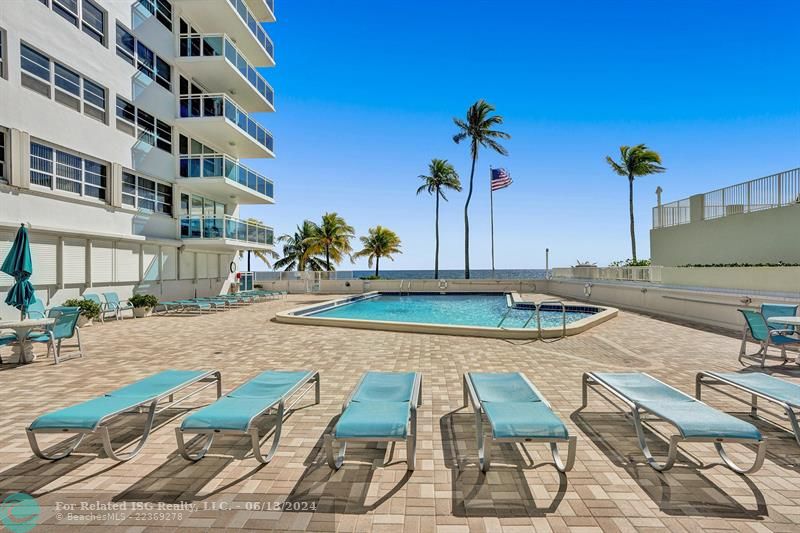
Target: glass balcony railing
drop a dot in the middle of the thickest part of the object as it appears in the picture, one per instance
(222, 166)
(254, 26)
(220, 45)
(219, 105)
(225, 227)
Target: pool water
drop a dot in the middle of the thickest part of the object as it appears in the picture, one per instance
(484, 310)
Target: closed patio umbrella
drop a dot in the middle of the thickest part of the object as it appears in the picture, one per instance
(19, 265)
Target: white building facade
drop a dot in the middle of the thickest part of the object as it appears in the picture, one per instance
(122, 129)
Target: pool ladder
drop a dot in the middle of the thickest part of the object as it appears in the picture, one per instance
(536, 312)
(408, 287)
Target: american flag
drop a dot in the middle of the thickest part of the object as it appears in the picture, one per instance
(500, 179)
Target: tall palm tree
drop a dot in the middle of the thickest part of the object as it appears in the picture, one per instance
(635, 161)
(264, 255)
(441, 176)
(331, 238)
(381, 242)
(478, 128)
(294, 251)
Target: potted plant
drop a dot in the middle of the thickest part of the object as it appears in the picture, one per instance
(143, 304)
(89, 310)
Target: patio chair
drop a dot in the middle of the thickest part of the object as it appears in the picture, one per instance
(517, 412)
(36, 310)
(760, 332)
(92, 416)
(65, 327)
(114, 304)
(104, 310)
(6, 339)
(381, 408)
(756, 385)
(236, 412)
(773, 310)
(693, 420)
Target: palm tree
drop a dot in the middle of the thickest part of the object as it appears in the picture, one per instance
(478, 127)
(441, 176)
(635, 161)
(381, 242)
(294, 251)
(264, 255)
(331, 238)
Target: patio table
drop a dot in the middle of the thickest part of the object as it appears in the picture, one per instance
(23, 349)
(786, 321)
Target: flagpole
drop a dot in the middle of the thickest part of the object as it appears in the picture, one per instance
(491, 211)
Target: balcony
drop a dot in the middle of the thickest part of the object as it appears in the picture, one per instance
(220, 67)
(219, 176)
(215, 231)
(263, 10)
(218, 120)
(234, 18)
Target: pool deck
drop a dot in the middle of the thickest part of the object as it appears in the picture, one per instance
(611, 488)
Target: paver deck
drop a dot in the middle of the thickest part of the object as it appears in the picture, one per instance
(611, 488)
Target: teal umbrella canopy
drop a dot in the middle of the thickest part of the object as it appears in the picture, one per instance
(19, 265)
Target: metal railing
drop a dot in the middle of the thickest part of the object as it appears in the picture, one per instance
(651, 274)
(769, 192)
(225, 227)
(672, 214)
(220, 45)
(220, 105)
(254, 26)
(224, 167)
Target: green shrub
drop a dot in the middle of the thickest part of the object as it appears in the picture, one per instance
(741, 265)
(89, 309)
(143, 300)
(631, 263)
(371, 278)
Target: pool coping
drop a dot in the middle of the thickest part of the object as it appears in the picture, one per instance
(296, 316)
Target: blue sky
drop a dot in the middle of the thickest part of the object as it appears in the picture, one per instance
(366, 92)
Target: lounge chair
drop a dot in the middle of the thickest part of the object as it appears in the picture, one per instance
(758, 328)
(91, 416)
(104, 310)
(381, 408)
(756, 385)
(774, 310)
(65, 327)
(114, 304)
(694, 420)
(236, 412)
(517, 412)
(197, 304)
(168, 306)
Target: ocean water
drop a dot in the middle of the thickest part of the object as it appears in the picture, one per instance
(452, 309)
(455, 274)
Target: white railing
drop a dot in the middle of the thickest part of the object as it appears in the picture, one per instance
(777, 190)
(307, 275)
(650, 274)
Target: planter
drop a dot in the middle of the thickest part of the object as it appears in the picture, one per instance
(84, 321)
(141, 312)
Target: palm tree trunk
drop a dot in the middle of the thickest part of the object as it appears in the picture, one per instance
(377, 262)
(630, 206)
(436, 261)
(328, 258)
(248, 260)
(466, 217)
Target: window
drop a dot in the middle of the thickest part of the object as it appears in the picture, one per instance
(68, 172)
(143, 125)
(88, 16)
(2, 53)
(2, 155)
(144, 193)
(94, 22)
(71, 89)
(162, 9)
(144, 59)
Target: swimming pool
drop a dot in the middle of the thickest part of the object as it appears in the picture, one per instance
(483, 314)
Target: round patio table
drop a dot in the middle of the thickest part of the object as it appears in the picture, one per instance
(23, 349)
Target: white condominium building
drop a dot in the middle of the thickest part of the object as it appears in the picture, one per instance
(123, 126)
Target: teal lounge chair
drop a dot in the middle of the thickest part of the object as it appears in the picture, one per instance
(517, 412)
(113, 304)
(236, 412)
(756, 385)
(760, 332)
(694, 420)
(65, 327)
(104, 310)
(381, 408)
(91, 416)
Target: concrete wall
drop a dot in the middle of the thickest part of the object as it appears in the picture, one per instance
(767, 236)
